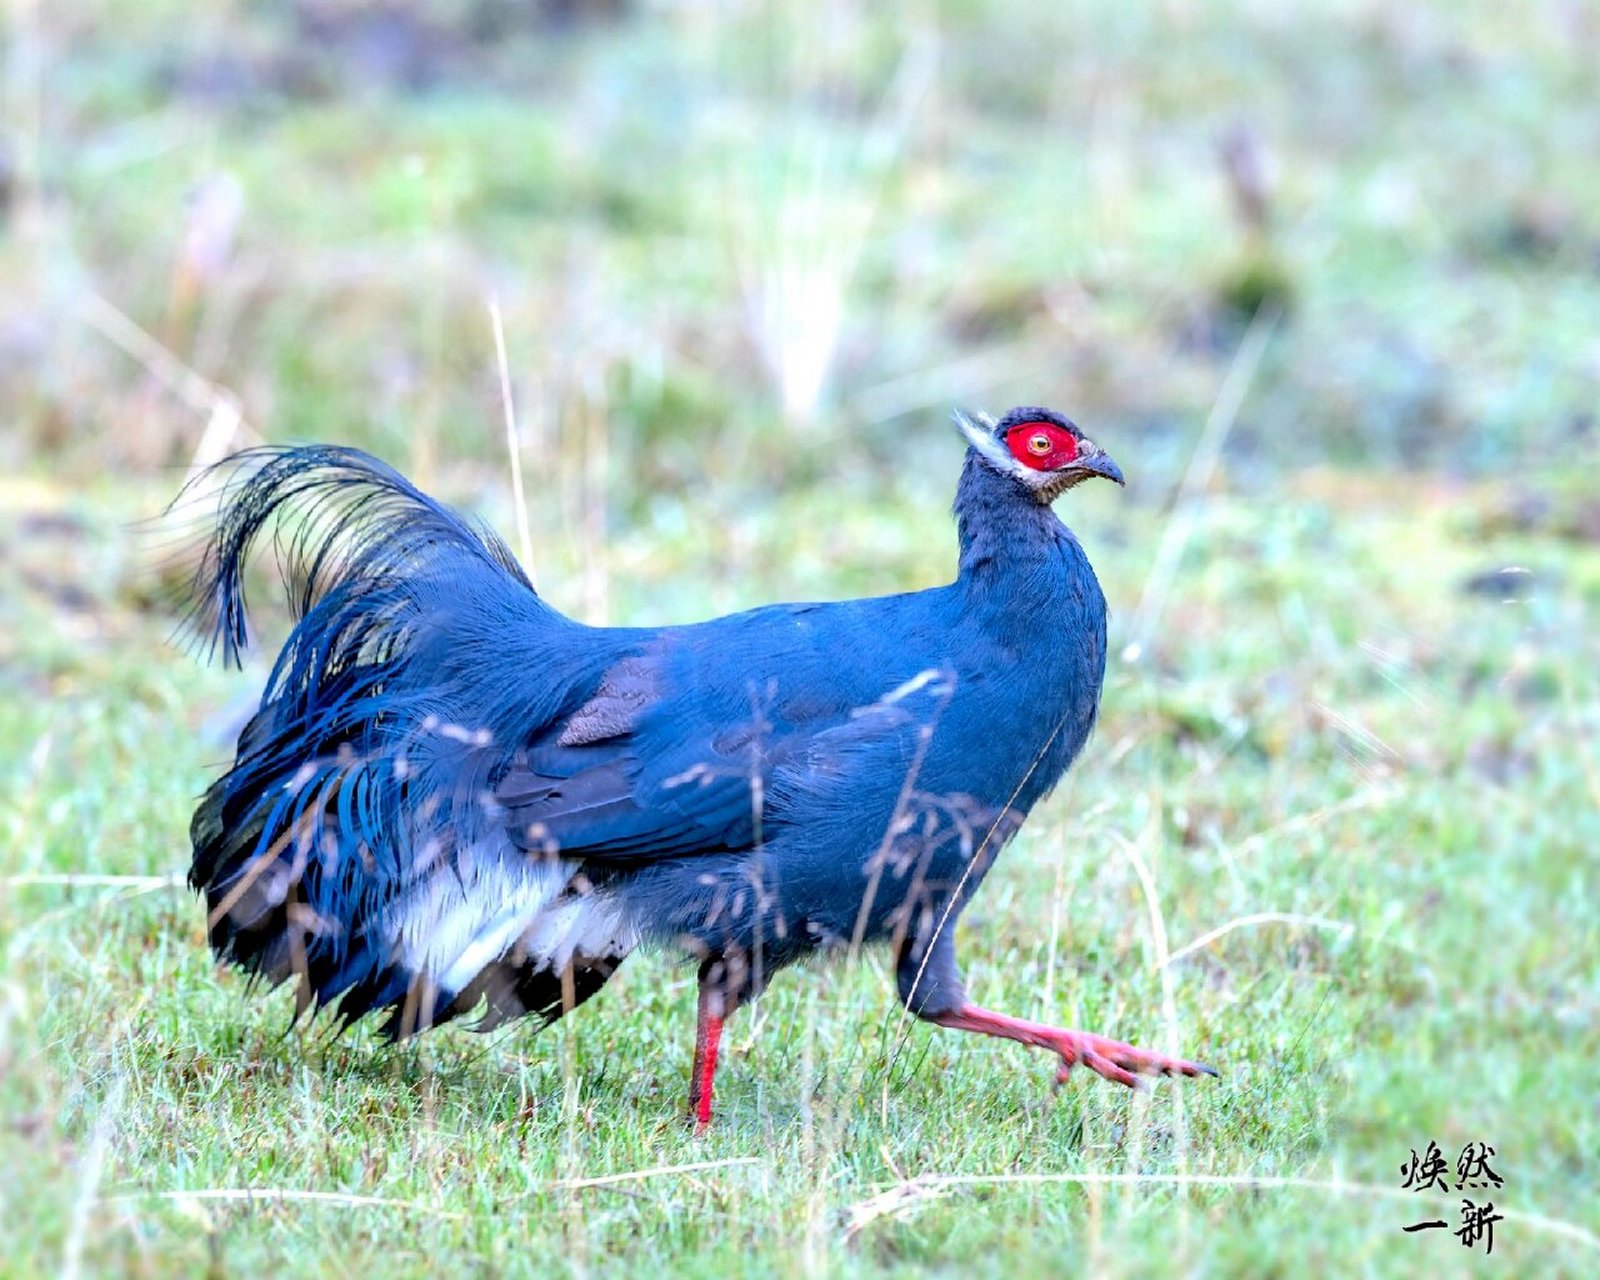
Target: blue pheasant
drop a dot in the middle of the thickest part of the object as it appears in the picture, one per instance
(453, 799)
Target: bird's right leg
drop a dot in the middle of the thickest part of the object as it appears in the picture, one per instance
(722, 990)
(930, 986)
(707, 1040)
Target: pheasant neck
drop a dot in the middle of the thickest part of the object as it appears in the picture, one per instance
(1000, 524)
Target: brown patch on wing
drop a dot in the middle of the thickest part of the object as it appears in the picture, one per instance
(614, 711)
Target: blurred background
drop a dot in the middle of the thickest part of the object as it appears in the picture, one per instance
(715, 227)
(1324, 278)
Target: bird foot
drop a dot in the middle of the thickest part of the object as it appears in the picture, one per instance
(1112, 1059)
(1116, 1061)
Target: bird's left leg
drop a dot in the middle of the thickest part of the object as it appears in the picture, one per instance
(931, 987)
(1112, 1059)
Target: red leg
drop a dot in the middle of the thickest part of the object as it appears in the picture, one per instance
(1109, 1058)
(707, 1039)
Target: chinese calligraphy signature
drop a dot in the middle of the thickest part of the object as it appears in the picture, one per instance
(1429, 1172)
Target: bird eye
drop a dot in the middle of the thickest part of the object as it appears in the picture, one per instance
(1039, 444)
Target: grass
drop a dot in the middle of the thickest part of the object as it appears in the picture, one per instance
(1361, 744)
(1335, 834)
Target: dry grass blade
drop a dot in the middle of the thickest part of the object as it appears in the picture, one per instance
(220, 405)
(1169, 998)
(919, 1190)
(658, 1171)
(93, 1169)
(1175, 537)
(1343, 927)
(70, 880)
(513, 448)
(284, 1195)
(959, 380)
(799, 243)
(349, 1200)
(1368, 797)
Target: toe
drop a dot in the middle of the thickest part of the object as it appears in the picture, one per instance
(1183, 1067)
(1132, 1058)
(1103, 1066)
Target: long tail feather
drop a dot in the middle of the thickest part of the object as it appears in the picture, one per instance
(362, 526)
(359, 786)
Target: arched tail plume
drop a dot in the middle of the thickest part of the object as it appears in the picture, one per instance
(352, 843)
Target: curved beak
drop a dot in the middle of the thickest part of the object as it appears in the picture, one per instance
(1095, 461)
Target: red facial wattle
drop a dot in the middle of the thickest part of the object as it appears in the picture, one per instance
(1043, 446)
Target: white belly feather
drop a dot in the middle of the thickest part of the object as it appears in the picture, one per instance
(497, 900)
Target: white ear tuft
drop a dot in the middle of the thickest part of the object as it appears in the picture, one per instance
(978, 431)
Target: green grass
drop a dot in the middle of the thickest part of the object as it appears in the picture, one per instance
(1329, 730)
(1326, 728)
